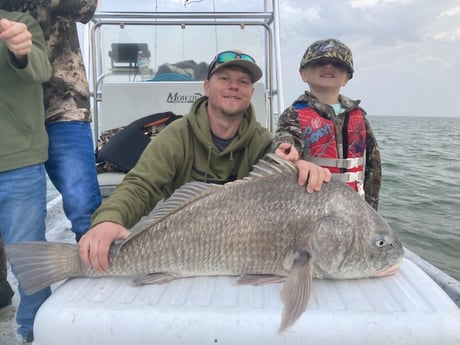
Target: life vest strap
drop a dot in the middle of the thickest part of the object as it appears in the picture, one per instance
(347, 163)
(349, 176)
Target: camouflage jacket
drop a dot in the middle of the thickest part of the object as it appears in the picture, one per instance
(66, 94)
(289, 131)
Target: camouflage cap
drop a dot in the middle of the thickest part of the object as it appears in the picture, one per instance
(329, 49)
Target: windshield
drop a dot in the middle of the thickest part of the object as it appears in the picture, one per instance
(183, 50)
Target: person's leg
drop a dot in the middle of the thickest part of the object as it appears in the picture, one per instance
(6, 292)
(71, 167)
(22, 218)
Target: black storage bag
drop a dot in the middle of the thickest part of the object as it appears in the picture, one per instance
(124, 149)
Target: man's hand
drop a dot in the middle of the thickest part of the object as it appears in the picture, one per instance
(312, 175)
(17, 37)
(94, 246)
(287, 152)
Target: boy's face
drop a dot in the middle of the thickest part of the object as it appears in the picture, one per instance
(325, 76)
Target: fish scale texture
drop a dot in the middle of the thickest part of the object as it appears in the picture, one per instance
(215, 235)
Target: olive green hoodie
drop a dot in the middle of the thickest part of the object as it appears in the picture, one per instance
(183, 152)
(23, 138)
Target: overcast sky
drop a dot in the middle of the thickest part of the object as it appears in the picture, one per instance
(406, 52)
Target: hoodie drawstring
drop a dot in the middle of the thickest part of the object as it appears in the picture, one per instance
(208, 167)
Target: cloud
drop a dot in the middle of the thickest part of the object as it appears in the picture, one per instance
(380, 22)
(455, 11)
(374, 3)
(448, 36)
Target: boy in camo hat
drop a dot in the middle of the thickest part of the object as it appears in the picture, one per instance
(328, 128)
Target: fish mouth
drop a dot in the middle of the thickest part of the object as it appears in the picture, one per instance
(388, 271)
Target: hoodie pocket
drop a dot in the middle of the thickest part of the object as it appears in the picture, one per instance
(15, 134)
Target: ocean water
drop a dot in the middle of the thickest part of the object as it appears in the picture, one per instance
(420, 194)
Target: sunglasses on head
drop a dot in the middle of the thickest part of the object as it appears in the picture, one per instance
(231, 55)
(227, 56)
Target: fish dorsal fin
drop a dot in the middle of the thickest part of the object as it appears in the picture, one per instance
(193, 191)
(181, 197)
(272, 165)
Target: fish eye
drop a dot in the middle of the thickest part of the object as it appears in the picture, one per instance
(380, 241)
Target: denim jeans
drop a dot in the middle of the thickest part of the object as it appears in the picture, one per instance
(22, 218)
(71, 167)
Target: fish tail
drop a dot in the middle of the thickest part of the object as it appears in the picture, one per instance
(37, 265)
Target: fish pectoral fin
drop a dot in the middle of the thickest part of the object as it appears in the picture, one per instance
(153, 278)
(259, 279)
(296, 291)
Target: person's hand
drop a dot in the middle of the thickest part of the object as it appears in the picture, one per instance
(94, 246)
(312, 175)
(287, 152)
(17, 37)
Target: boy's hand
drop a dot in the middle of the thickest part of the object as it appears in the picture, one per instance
(311, 175)
(287, 152)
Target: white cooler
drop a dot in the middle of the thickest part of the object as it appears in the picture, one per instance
(407, 308)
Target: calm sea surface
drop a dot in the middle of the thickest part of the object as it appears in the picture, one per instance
(420, 194)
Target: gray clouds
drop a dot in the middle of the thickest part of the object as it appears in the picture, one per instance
(406, 52)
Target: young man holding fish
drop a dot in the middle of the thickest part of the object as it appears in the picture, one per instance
(217, 142)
